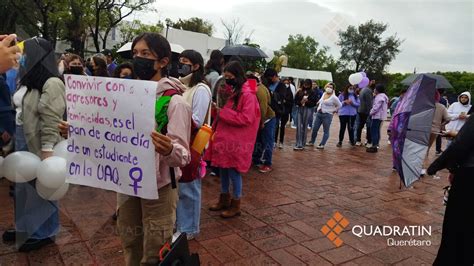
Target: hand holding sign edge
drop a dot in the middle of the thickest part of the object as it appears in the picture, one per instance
(162, 143)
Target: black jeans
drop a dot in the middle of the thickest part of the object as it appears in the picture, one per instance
(438, 143)
(347, 121)
(280, 127)
(360, 126)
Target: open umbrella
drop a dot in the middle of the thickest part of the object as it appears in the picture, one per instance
(441, 81)
(411, 128)
(126, 50)
(243, 51)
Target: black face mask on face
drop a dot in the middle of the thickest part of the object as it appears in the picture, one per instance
(144, 68)
(184, 69)
(230, 82)
(76, 70)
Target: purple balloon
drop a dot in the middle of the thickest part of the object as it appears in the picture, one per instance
(363, 74)
(365, 81)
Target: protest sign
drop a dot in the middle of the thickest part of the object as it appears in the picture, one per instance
(109, 144)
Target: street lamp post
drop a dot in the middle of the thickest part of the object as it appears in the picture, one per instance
(167, 28)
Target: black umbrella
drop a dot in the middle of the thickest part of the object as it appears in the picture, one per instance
(243, 51)
(441, 81)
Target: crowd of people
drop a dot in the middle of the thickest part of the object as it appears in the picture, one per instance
(248, 111)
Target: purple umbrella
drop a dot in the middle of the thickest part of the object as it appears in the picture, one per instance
(411, 128)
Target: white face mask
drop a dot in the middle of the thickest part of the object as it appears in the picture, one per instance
(329, 90)
(287, 85)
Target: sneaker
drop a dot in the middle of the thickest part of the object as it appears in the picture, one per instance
(339, 144)
(388, 141)
(309, 128)
(265, 169)
(280, 146)
(298, 148)
(34, 244)
(309, 144)
(213, 174)
(320, 147)
(394, 169)
(358, 143)
(368, 145)
(293, 126)
(423, 172)
(438, 153)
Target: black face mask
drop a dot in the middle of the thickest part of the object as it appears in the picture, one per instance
(184, 70)
(90, 68)
(76, 70)
(144, 68)
(230, 82)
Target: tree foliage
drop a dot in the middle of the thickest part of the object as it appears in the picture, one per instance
(364, 48)
(306, 53)
(134, 28)
(193, 24)
(233, 31)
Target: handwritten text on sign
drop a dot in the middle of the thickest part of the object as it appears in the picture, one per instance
(109, 144)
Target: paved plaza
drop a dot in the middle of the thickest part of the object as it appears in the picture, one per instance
(283, 213)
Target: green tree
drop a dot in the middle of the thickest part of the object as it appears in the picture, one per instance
(306, 53)
(41, 17)
(193, 24)
(364, 48)
(134, 28)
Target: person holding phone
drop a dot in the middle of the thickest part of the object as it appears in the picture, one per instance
(9, 52)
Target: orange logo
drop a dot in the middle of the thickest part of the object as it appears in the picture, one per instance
(333, 228)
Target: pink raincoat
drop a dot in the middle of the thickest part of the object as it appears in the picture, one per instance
(236, 131)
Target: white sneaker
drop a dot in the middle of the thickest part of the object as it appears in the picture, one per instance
(280, 146)
(436, 177)
(320, 147)
(358, 143)
(293, 126)
(309, 128)
(175, 236)
(423, 172)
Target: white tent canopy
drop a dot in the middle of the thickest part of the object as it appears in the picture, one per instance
(305, 74)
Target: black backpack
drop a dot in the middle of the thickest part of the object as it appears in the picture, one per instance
(277, 102)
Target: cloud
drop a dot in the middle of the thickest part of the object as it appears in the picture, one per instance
(438, 35)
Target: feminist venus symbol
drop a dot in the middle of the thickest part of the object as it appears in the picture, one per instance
(136, 180)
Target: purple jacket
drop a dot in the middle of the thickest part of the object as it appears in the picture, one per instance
(379, 109)
(349, 109)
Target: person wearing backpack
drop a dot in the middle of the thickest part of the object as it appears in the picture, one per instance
(281, 103)
(235, 131)
(198, 96)
(145, 225)
(43, 106)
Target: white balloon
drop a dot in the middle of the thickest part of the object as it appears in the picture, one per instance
(60, 149)
(1, 168)
(355, 78)
(51, 193)
(51, 172)
(20, 166)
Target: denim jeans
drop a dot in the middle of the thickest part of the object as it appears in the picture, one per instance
(263, 150)
(324, 119)
(304, 113)
(375, 131)
(35, 216)
(294, 115)
(188, 212)
(227, 176)
(311, 118)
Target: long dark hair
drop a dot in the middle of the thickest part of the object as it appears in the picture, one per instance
(215, 62)
(157, 44)
(101, 67)
(237, 70)
(40, 64)
(196, 59)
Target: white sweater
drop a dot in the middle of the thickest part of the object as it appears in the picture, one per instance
(330, 105)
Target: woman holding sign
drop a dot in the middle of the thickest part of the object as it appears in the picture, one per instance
(155, 218)
(198, 96)
(235, 133)
(43, 106)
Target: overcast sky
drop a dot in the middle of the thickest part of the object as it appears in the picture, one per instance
(438, 35)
